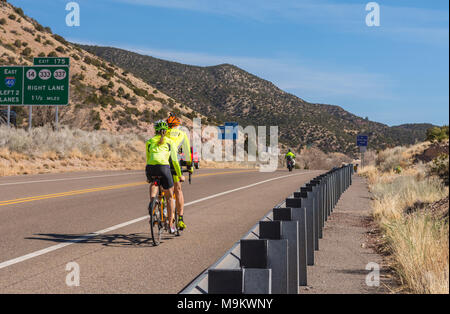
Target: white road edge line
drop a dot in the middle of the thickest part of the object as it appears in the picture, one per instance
(77, 178)
(91, 235)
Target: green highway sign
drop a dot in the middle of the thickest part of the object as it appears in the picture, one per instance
(11, 84)
(46, 85)
(34, 85)
(51, 61)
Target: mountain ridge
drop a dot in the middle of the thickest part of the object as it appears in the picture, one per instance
(229, 93)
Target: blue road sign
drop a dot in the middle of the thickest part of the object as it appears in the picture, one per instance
(362, 140)
(229, 131)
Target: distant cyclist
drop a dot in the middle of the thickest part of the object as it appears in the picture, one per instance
(290, 156)
(181, 141)
(161, 155)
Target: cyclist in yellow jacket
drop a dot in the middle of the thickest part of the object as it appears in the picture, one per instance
(181, 140)
(290, 155)
(161, 155)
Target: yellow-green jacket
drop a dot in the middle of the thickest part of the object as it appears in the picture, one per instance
(181, 139)
(290, 154)
(164, 154)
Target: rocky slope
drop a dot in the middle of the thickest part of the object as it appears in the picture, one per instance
(103, 95)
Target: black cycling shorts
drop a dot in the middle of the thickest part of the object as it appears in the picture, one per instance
(162, 171)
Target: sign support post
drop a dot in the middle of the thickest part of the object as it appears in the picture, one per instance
(362, 141)
(56, 118)
(30, 117)
(9, 116)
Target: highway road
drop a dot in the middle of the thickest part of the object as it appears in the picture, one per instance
(99, 220)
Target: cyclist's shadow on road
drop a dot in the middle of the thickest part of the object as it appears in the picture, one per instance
(133, 240)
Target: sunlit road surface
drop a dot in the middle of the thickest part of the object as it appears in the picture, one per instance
(99, 220)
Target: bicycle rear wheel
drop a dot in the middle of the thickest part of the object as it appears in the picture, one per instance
(154, 210)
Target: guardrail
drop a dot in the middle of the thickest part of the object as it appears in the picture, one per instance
(273, 256)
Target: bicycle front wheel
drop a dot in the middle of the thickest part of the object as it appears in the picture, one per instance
(155, 221)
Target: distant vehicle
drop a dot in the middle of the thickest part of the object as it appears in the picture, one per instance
(195, 160)
(4, 117)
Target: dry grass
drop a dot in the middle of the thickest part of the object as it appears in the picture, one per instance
(46, 151)
(416, 240)
(43, 151)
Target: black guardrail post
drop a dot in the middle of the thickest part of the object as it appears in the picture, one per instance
(255, 258)
(284, 230)
(306, 201)
(317, 188)
(225, 281)
(294, 211)
(312, 194)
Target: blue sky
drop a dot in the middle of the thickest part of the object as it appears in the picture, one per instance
(319, 50)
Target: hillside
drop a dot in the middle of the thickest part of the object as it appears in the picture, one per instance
(103, 96)
(227, 92)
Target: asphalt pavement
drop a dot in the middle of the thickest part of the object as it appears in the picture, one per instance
(99, 220)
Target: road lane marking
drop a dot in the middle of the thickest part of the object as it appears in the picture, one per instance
(105, 188)
(97, 233)
(68, 179)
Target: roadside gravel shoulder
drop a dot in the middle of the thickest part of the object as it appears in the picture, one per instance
(345, 250)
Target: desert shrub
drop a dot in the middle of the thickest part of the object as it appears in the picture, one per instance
(12, 17)
(437, 134)
(120, 91)
(104, 89)
(41, 55)
(75, 57)
(26, 52)
(140, 92)
(28, 30)
(2, 21)
(39, 27)
(52, 54)
(19, 11)
(146, 116)
(439, 167)
(18, 43)
(60, 49)
(60, 39)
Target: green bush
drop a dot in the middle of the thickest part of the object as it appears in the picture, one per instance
(104, 89)
(60, 39)
(26, 52)
(18, 43)
(439, 167)
(52, 54)
(2, 21)
(19, 11)
(60, 49)
(39, 27)
(437, 134)
(12, 17)
(41, 55)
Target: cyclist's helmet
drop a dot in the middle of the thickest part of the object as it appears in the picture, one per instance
(289, 150)
(161, 125)
(173, 121)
